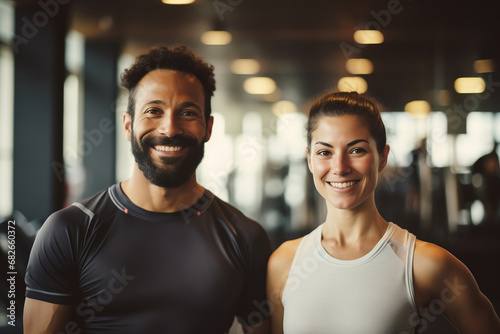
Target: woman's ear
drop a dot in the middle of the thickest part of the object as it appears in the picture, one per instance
(383, 158)
(308, 155)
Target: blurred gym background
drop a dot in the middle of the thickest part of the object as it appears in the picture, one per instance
(434, 67)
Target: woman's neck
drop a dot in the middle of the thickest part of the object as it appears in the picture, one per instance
(354, 226)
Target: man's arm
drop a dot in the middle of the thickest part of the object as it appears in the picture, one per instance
(441, 276)
(43, 318)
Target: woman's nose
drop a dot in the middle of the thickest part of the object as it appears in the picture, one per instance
(340, 165)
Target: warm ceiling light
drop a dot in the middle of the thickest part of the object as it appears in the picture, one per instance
(259, 85)
(484, 66)
(359, 66)
(283, 107)
(177, 2)
(368, 37)
(470, 85)
(245, 66)
(418, 108)
(352, 84)
(216, 37)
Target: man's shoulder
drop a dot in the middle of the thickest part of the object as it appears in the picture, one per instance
(225, 209)
(80, 211)
(236, 221)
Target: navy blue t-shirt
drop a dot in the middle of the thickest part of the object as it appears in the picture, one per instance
(128, 270)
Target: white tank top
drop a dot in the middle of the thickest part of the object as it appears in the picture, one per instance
(372, 294)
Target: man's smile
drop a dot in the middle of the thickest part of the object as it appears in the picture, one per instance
(164, 148)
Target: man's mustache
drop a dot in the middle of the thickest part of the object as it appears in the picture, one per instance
(177, 140)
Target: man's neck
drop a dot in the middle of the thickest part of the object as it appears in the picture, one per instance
(150, 197)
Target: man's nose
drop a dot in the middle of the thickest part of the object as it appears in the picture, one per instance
(169, 125)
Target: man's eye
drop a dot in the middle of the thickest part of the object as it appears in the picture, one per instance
(189, 113)
(153, 111)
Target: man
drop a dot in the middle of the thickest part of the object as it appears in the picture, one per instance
(156, 253)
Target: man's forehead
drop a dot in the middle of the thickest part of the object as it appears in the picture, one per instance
(159, 82)
(159, 75)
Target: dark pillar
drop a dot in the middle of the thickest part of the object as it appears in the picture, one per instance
(38, 46)
(100, 91)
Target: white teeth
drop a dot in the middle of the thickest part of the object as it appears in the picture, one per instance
(168, 148)
(343, 184)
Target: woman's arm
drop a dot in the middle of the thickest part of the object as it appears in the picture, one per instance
(277, 274)
(442, 279)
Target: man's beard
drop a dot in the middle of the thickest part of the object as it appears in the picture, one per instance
(174, 171)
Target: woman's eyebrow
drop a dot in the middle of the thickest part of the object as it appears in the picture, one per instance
(354, 142)
(323, 143)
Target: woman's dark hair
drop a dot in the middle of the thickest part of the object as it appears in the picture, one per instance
(348, 103)
(177, 58)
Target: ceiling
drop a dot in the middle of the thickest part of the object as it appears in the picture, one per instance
(428, 44)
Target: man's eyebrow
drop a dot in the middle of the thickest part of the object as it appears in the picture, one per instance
(186, 104)
(354, 142)
(154, 102)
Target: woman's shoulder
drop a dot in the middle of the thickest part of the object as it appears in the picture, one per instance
(433, 268)
(431, 258)
(431, 261)
(281, 259)
(286, 251)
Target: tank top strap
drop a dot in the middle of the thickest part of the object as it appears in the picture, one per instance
(403, 244)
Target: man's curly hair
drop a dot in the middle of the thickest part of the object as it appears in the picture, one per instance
(176, 58)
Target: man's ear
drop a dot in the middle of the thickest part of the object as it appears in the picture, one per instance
(383, 158)
(210, 125)
(127, 125)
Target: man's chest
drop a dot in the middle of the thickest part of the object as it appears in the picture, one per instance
(169, 270)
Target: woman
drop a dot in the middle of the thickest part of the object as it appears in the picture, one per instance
(356, 272)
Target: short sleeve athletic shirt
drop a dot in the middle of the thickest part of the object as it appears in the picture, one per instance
(128, 270)
(372, 294)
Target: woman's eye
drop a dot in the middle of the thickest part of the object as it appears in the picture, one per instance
(323, 153)
(358, 150)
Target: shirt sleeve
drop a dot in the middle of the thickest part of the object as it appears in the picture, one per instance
(253, 306)
(51, 275)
